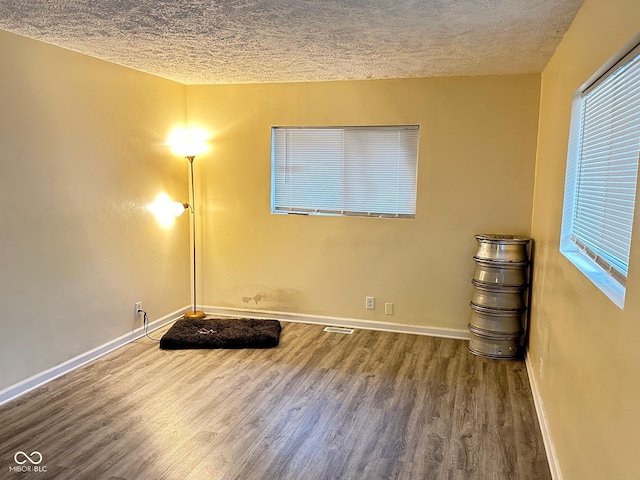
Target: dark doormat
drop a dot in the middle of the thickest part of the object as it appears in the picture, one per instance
(222, 333)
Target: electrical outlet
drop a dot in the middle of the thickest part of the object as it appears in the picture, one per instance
(137, 308)
(388, 308)
(370, 303)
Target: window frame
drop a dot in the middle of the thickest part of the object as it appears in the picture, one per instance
(600, 271)
(341, 206)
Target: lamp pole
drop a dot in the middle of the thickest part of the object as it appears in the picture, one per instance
(194, 313)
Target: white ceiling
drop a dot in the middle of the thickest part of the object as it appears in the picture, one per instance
(253, 41)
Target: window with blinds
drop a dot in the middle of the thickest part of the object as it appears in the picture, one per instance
(602, 173)
(362, 171)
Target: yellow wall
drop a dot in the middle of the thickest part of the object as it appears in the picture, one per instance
(583, 349)
(81, 155)
(475, 175)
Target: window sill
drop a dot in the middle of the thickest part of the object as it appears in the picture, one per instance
(598, 277)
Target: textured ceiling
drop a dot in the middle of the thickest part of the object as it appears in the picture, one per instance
(252, 41)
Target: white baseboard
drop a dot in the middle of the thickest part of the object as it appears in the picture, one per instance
(340, 322)
(42, 378)
(549, 446)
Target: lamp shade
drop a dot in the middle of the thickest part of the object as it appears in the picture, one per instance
(166, 210)
(188, 142)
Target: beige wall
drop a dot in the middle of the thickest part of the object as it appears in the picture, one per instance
(80, 157)
(583, 349)
(476, 164)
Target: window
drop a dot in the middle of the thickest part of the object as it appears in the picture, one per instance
(602, 172)
(364, 171)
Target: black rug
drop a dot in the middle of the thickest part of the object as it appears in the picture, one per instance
(222, 333)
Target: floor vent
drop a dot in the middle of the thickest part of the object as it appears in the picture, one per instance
(348, 331)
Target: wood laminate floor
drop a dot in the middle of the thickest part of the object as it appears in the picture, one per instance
(372, 405)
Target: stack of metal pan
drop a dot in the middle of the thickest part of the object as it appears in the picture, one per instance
(498, 303)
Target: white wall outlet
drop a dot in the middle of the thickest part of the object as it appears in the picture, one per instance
(137, 308)
(370, 303)
(388, 308)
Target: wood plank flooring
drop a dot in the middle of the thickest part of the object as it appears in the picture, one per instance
(372, 405)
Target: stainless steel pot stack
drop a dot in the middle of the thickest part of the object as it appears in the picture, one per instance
(498, 302)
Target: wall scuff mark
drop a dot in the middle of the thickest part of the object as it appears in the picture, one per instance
(257, 298)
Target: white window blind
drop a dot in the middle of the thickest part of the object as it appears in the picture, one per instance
(602, 170)
(367, 171)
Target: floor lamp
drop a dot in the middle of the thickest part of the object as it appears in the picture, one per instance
(194, 313)
(187, 143)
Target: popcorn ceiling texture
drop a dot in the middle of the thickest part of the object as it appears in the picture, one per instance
(256, 41)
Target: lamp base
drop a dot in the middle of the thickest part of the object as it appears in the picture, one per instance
(194, 315)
